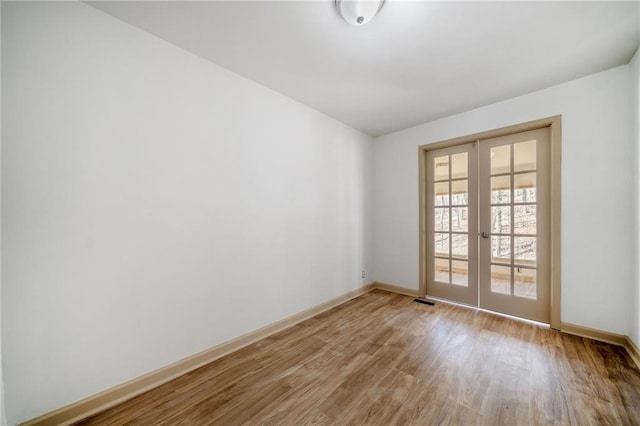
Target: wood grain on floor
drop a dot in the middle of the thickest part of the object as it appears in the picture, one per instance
(383, 359)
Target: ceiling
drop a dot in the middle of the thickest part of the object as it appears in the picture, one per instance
(413, 63)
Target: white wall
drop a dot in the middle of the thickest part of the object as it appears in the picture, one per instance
(634, 76)
(597, 211)
(156, 205)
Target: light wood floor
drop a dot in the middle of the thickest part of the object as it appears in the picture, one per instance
(383, 359)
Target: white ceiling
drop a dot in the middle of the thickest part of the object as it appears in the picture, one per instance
(415, 62)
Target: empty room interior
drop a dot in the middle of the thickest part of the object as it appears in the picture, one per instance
(320, 212)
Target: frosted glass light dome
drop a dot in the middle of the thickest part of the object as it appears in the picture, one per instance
(358, 12)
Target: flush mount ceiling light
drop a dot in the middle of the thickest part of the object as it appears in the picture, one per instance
(358, 12)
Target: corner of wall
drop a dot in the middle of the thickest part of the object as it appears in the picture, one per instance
(634, 76)
(3, 415)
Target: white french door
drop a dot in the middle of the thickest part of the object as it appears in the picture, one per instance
(452, 200)
(488, 224)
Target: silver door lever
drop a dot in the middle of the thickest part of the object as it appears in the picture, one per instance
(485, 235)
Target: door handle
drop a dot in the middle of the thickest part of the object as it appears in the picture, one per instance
(485, 235)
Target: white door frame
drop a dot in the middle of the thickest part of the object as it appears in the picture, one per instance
(554, 123)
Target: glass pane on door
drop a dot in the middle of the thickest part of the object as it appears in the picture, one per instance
(459, 167)
(524, 283)
(501, 190)
(441, 270)
(501, 279)
(459, 193)
(441, 168)
(501, 159)
(525, 188)
(460, 273)
(524, 156)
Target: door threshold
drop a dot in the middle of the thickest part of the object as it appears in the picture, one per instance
(500, 314)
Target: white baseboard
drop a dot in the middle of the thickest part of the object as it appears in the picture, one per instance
(604, 336)
(111, 397)
(633, 351)
(395, 289)
(94, 404)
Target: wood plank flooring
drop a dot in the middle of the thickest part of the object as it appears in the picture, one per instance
(382, 359)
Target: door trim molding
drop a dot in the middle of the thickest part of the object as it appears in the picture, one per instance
(555, 130)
